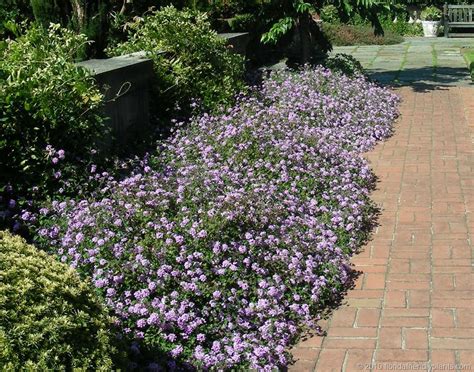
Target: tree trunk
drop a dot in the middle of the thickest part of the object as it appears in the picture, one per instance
(79, 13)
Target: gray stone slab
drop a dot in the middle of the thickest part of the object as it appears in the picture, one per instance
(418, 56)
(411, 64)
(237, 41)
(344, 49)
(102, 66)
(125, 81)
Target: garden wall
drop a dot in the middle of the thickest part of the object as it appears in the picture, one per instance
(237, 41)
(125, 82)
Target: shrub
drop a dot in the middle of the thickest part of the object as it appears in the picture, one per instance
(225, 8)
(243, 22)
(403, 28)
(49, 318)
(468, 54)
(330, 14)
(232, 241)
(50, 11)
(11, 12)
(396, 21)
(46, 103)
(191, 61)
(344, 63)
(358, 35)
(431, 13)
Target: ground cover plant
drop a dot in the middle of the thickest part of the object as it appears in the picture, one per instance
(220, 251)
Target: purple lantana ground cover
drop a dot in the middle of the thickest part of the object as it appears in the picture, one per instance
(223, 249)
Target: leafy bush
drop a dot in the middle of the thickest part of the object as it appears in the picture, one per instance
(358, 35)
(191, 62)
(431, 13)
(344, 63)
(225, 8)
(330, 14)
(46, 103)
(403, 28)
(396, 21)
(243, 22)
(51, 11)
(468, 54)
(49, 318)
(222, 249)
(393, 22)
(12, 12)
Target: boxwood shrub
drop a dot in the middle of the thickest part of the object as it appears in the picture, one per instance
(49, 318)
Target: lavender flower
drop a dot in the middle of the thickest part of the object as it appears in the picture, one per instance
(225, 248)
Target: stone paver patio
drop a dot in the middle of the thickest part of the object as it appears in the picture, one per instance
(418, 62)
(412, 307)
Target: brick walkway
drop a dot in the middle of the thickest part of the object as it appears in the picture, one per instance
(413, 302)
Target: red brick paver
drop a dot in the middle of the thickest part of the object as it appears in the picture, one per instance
(412, 306)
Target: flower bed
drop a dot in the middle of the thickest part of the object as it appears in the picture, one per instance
(223, 249)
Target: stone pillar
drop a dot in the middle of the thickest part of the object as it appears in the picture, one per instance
(237, 41)
(125, 82)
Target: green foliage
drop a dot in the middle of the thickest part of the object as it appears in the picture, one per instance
(191, 61)
(226, 8)
(278, 29)
(358, 35)
(243, 22)
(45, 100)
(50, 11)
(329, 14)
(431, 13)
(91, 18)
(88, 17)
(12, 12)
(283, 16)
(438, 3)
(286, 13)
(345, 64)
(468, 54)
(405, 29)
(392, 21)
(49, 318)
(402, 27)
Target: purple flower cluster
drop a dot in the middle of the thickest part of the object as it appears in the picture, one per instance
(227, 245)
(55, 155)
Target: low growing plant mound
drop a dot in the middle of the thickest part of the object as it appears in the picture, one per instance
(345, 64)
(49, 318)
(341, 34)
(223, 249)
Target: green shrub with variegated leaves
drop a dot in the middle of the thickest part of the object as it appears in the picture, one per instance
(191, 61)
(46, 103)
(50, 319)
